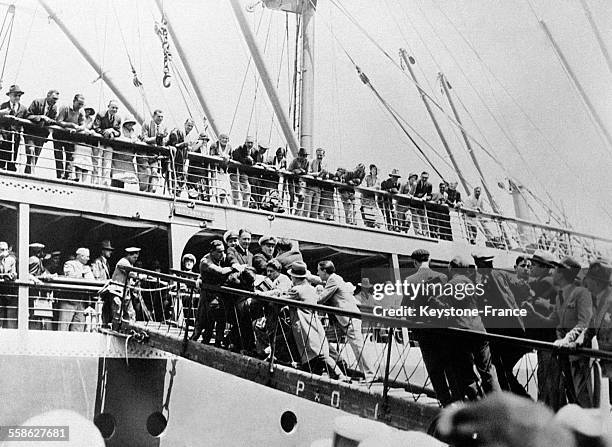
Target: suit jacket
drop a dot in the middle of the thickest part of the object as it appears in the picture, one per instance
(601, 327)
(149, 133)
(498, 294)
(423, 190)
(423, 275)
(5, 129)
(36, 108)
(338, 294)
(240, 256)
(104, 121)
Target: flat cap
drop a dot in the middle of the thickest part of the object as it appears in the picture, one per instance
(568, 263)
(82, 251)
(37, 245)
(420, 254)
(132, 250)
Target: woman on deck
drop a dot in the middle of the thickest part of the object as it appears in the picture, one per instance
(122, 168)
(83, 152)
(307, 329)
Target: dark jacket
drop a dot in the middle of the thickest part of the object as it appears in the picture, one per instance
(35, 109)
(242, 155)
(468, 302)
(391, 185)
(103, 122)
(426, 276)
(423, 190)
(21, 112)
(498, 294)
(240, 256)
(453, 197)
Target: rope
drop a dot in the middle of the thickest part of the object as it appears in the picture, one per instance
(7, 38)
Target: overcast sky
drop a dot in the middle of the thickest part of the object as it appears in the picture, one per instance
(502, 69)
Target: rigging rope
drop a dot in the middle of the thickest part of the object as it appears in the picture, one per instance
(7, 38)
(25, 45)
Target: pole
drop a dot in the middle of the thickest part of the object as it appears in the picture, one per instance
(583, 96)
(468, 145)
(265, 77)
(307, 91)
(435, 122)
(189, 71)
(600, 42)
(98, 68)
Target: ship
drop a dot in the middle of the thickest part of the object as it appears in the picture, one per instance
(143, 382)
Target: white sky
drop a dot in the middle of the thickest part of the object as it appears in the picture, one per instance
(565, 153)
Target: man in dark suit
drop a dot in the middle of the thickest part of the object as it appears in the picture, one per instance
(174, 171)
(42, 112)
(422, 191)
(431, 345)
(11, 131)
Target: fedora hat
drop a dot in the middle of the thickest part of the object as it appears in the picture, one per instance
(600, 270)
(298, 270)
(106, 245)
(544, 258)
(14, 89)
(365, 283)
(89, 110)
(395, 173)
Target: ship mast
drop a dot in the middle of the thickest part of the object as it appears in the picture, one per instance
(265, 77)
(468, 145)
(406, 60)
(98, 68)
(307, 90)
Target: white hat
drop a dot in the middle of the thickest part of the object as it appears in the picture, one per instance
(132, 250)
(82, 251)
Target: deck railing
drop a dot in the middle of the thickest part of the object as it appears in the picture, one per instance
(207, 180)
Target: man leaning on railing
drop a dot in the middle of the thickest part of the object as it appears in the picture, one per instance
(107, 125)
(42, 112)
(10, 132)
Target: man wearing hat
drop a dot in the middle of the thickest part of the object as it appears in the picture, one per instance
(497, 293)
(42, 112)
(598, 280)
(107, 125)
(72, 312)
(100, 267)
(429, 339)
(403, 203)
(543, 301)
(35, 261)
(198, 172)
(392, 186)
(230, 237)
(572, 315)
(120, 276)
(298, 166)
(179, 143)
(260, 260)
(10, 132)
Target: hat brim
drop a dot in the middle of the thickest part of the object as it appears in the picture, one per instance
(365, 286)
(295, 275)
(18, 92)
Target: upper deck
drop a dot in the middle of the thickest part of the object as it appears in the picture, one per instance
(204, 200)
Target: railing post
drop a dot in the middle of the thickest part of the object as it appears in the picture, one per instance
(186, 335)
(385, 394)
(23, 294)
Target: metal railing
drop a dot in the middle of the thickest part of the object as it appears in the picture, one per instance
(347, 345)
(128, 164)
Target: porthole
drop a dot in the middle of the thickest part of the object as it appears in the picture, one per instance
(288, 421)
(156, 424)
(106, 424)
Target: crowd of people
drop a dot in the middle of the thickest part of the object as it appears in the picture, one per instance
(560, 302)
(52, 309)
(561, 306)
(181, 159)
